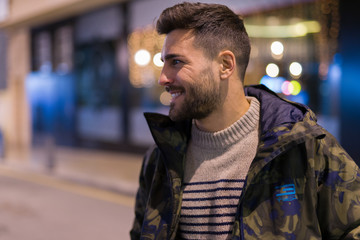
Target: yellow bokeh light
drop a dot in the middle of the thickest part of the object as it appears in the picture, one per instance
(146, 75)
(296, 87)
(165, 98)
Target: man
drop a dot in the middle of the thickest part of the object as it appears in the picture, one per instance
(233, 162)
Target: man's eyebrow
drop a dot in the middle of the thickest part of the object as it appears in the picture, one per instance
(170, 56)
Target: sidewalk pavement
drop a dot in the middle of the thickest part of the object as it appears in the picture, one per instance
(113, 171)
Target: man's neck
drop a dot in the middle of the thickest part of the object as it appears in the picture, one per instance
(224, 117)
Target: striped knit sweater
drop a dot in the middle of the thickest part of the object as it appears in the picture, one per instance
(216, 167)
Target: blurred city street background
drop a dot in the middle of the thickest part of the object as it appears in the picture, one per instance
(76, 77)
(83, 194)
(38, 208)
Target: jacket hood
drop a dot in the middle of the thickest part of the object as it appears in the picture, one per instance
(279, 116)
(282, 111)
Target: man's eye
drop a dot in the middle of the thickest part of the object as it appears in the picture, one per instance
(175, 62)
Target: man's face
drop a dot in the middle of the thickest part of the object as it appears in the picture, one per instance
(190, 77)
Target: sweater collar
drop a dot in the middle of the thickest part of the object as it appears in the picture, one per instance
(232, 134)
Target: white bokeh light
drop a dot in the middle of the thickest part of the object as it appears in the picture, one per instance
(272, 70)
(157, 60)
(277, 48)
(295, 69)
(142, 57)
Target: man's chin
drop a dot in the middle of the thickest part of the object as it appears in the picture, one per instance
(176, 116)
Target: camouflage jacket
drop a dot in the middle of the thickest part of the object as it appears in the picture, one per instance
(301, 184)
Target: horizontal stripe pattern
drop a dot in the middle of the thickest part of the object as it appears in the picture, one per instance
(208, 208)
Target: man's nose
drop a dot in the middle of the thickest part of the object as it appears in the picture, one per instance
(164, 78)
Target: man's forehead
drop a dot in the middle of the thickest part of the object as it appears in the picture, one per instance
(177, 40)
(179, 35)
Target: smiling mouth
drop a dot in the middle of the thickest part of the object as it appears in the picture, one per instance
(174, 92)
(175, 95)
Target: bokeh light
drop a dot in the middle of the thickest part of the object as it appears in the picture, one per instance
(287, 88)
(277, 48)
(300, 29)
(295, 69)
(291, 87)
(273, 84)
(142, 57)
(165, 98)
(296, 87)
(157, 60)
(272, 70)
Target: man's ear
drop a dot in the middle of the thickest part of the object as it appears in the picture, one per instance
(227, 64)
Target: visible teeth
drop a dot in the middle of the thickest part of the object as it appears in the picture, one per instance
(175, 94)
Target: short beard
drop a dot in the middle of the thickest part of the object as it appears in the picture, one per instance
(200, 101)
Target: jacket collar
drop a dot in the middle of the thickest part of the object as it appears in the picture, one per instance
(172, 139)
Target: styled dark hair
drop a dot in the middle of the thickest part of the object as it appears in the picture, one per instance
(215, 28)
